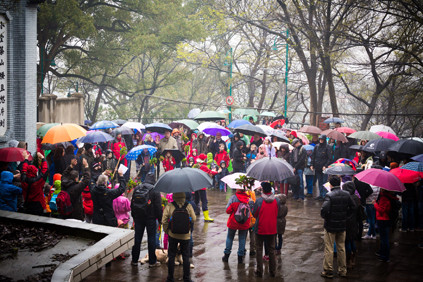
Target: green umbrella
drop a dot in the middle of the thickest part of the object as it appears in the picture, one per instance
(268, 114)
(364, 135)
(209, 115)
(191, 124)
(246, 112)
(43, 129)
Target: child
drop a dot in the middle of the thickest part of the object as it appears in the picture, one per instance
(169, 162)
(224, 171)
(222, 155)
(194, 155)
(282, 212)
(191, 161)
(251, 156)
(211, 163)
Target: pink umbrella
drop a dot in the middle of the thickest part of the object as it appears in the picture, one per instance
(231, 182)
(303, 138)
(381, 178)
(345, 130)
(387, 135)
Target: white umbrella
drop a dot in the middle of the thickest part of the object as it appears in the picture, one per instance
(134, 125)
(205, 125)
(381, 127)
(278, 144)
(193, 113)
(267, 129)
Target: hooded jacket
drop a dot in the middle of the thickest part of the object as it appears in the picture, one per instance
(200, 144)
(283, 211)
(336, 208)
(33, 183)
(222, 156)
(232, 206)
(210, 161)
(262, 152)
(122, 207)
(214, 146)
(238, 157)
(8, 192)
(179, 199)
(118, 144)
(322, 156)
(266, 211)
(301, 160)
(383, 205)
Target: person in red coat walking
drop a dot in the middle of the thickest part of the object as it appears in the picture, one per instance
(233, 225)
(266, 211)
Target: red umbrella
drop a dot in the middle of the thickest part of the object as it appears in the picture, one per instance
(345, 130)
(12, 154)
(387, 135)
(381, 178)
(405, 175)
(273, 124)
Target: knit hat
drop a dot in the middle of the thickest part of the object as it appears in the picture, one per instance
(295, 141)
(175, 130)
(202, 158)
(31, 171)
(57, 176)
(267, 188)
(334, 180)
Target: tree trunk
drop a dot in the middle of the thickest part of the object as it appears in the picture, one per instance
(98, 99)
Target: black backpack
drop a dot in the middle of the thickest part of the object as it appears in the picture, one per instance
(180, 221)
(141, 199)
(394, 212)
(242, 213)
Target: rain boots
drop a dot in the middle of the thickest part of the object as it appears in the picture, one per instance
(225, 258)
(206, 216)
(285, 189)
(240, 259)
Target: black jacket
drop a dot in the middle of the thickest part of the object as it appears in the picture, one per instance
(301, 158)
(154, 210)
(238, 158)
(339, 152)
(214, 146)
(102, 197)
(321, 157)
(352, 221)
(336, 208)
(74, 190)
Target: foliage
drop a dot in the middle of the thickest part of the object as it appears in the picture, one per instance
(245, 181)
(132, 183)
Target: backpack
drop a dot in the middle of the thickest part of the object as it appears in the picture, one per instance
(141, 199)
(180, 221)
(394, 212)
(242, 213)
(63, 203)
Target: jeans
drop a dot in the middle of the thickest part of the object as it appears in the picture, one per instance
(140, 225)
(384, 229)
(242, 238)
(270, 241)
(173, 248)
(279, 242)
(371, 219)
(309, 182)
(201, 194)
(322, 178)
(298, 191)
(221, 186)
(350, 246)
(408, 215)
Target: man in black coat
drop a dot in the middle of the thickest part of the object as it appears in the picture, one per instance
(320, 160)
(298, 159)
(336, 208)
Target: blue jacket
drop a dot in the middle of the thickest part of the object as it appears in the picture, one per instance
(8, 192)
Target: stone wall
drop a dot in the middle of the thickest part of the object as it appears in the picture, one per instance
(61, 110)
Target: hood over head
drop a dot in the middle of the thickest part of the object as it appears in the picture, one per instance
(31, 171)
(239, 144)
(179, 198)
(150, 179)
(57, 176)
(7, 177)
(349, 187)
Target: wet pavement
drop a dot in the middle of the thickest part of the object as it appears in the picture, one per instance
(301, 258)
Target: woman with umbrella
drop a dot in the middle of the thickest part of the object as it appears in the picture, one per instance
(143, 160)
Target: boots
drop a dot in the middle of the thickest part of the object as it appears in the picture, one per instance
(225, 258)
(349, 264)
(240, 259)
(206, 216)
(353, 258)
(285, 188)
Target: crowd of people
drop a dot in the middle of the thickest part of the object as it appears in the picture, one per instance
(85, 183)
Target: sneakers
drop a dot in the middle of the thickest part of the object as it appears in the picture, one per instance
(326, 274)
(366, 237)
(134, 263)
(191, 265)
(154, 265)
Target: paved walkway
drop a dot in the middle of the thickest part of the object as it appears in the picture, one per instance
(301, 258)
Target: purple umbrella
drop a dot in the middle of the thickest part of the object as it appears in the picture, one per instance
(153, 134)
(213, 130)
(418, 158)
(381, 178)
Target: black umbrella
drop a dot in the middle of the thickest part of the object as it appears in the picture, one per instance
(158, 127)
(185, 179)
(280, 136)
(339, 169)
(407, 146)
(270, 169)
(123, 130)
(119, 121)
(250, 129)
(178, 155)
(47, 146)
(356, 147)
(378, 145)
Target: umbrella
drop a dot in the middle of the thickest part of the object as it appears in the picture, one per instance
(276, 122)
(217, 129)
(210, 115)
(334, 120)
(43, 129)
(308, 147)
(134, 125)
(326, 132)
(185, 179)
(387, 135)
(270, 169)
(13, 154)
(337, 136)
(414, 166)
(64, 132)
(119, 121)
(250, 129)
(407, 146)
(349, 162)
(246, 112)
(280, 135)
(268, 114)
(310, 129)
(418, 158)
(345, 130)
(96, 137)
(123, 130)
(303, 138)
(381, 178)
(193, 113)
(356, 147)
(187, 123)
(416, 139)
(267, 129)
(230, 180)
(178, 155)
(153, 135)
(87, 122)
(238, 122)
(136, 151)
(378, 145)
(206, 124)
(47, 146)
(279, 144)
(364, 135)
(381, 127)
(339, 169)
(104, 124)
(405, 175)
(158, 127)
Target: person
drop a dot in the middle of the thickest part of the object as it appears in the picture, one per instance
(336, 208)
(371, 213)
(88, 205)
(262, 152)
(202, 194)
(110, 162)
(179, 141)
(384, 222)
(174, 239)
(282, 212)
(239, 158)
(309, 174)
(222, 155)
(69, 155)
(298, 160)
(168, 162)
(257, 140)
(270, 150)
(321, 159)
(168, 142)
(233, 225)
(200, 144)
(8, 192)
(352, 225)
(59, 160)
(337, 125)
(339, 150)
(232, 144)
(143, 161)
(122, 207)
(266, 211)
(145, 216)
(252, 196)
(211, 163)
(408, 197)
(74, 187)
(251, 120)
(251, 156)
(224, 171)
(214, 145)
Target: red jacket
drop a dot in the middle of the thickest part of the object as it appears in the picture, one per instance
(36, 183)
(87, 202)
(169, 164)
(222, 156)
(234, 201)
(204, 168)
(266, 213)
(383, 206)
(115, 147)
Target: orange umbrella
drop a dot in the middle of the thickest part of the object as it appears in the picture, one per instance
(64, 132)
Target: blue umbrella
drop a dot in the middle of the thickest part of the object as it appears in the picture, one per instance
(333, 120)
(158, 127)
(238, 122)
(308, 147)
(418, 158)
(414, 166)
(104, 124)
(136, 151)
(96, 137)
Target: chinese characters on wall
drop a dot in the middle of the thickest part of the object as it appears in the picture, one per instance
(3, 75)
